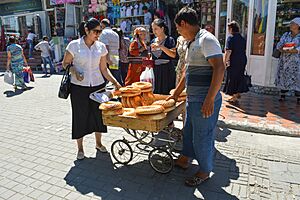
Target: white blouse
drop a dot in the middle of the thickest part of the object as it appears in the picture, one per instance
(87, 61)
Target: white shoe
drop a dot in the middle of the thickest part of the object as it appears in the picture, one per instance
(102, 149)
(80, 155)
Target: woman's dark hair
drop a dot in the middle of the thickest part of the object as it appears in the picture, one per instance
(12, 40)
(90, 25)
(157, 15)
(234, 26)
(188, 15)
(161, 23)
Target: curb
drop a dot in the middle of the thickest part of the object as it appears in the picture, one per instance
(258, 128)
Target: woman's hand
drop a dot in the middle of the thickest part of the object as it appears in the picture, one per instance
(155, 46)
(79, 76)
(117, 85)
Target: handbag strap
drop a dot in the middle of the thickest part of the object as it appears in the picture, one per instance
(66, 73)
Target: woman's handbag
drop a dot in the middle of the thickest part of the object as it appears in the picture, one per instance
(65, 84)
(276, 53)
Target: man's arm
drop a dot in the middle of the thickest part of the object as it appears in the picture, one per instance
(217, 78)
(8, 60)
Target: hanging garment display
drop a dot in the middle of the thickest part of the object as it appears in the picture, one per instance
(136, 10)
(123, 11)
(129, 11)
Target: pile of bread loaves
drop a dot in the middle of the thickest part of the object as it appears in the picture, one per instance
(139, 101)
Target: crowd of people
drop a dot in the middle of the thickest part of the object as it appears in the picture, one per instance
(103, 53)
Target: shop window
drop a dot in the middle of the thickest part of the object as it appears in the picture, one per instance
(259, 27)
(286, 11)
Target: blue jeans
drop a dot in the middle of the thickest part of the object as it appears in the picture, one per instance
(30, 44)
(199, 132)
(45, 61)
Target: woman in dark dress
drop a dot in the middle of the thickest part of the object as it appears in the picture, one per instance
(236, 60)
(164, 70)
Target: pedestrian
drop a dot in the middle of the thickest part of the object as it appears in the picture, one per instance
(235, 59)
(59, 31)
(88, 56)
(288, 71)
(137, 48)
(164, 70)
(147, 16)
(45, 49)
(111, 41)
(30, 40)
(203, 79)
(16, 60)
(123, 52)
(210, 28)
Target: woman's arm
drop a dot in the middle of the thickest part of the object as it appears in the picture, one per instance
(8, 60)
(227, 57)
(68, 59)
(169, 52)
(107, 74)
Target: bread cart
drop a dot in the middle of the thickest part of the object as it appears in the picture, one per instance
(144, 132)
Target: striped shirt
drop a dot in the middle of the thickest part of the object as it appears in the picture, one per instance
(199, 71)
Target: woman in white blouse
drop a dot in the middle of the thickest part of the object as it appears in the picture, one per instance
(88, 56)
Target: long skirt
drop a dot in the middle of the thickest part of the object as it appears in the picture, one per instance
(17, 69)
(235, 82)
(86, 116)
(164, 78)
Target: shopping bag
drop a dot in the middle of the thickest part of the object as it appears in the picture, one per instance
(247, 79)
(65, 84)
(276, 53)
(9, 77)
(147, 75)
(26, 75)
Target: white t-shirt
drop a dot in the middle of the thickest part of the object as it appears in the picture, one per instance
(87, 61)
(136, 10)
(123, 11)
(129, 11)
(141, 8)
(31, 36)
(44, 47)
(148, 18)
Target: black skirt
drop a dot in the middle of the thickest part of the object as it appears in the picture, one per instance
(235, 82)
(86, 116)
(164, 78)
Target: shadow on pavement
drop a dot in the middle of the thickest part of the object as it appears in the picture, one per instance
(11, 93)
(101, 177)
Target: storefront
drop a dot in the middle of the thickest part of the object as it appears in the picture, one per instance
(262, 23)
(20, 16)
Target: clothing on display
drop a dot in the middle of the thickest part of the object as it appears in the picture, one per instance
(187, 1)
(137, 22)
(128, 25)
(148, 18)
(135, 10)
(129, 11)
(141, 8)
(123, 11)
(123, 26)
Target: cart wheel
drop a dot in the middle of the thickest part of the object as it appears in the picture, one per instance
(144, 137)
(121, 151)
(161, 160)
(177, 137)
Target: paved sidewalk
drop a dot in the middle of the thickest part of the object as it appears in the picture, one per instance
(37, 159)
(263, 114)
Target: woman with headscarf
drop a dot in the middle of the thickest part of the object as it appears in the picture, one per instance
(164, 70)
(17, 60)
(288, 73)
(137, 48)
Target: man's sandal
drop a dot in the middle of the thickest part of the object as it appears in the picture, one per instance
(195, 181)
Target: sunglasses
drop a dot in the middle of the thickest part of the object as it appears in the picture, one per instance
(96, 31)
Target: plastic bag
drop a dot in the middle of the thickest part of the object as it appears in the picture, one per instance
(26, 74)
(147, 75)
(9, 78)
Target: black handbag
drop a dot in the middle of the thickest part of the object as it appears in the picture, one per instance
(276, 53)
(247, 79)
(65, 84)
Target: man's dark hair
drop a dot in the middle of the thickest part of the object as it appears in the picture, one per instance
(106, 22)
(45, 38)
(188, 15)
(144, 8)
(12, 40)
(234, 26)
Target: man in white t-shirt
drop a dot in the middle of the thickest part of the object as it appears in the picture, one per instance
(45, 49)
(147, 16)
(112, 43)
(30, 39)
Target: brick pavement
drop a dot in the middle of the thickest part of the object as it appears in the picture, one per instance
(263, 114)
(37, 159)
